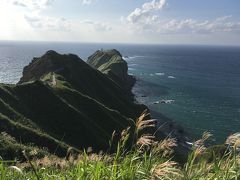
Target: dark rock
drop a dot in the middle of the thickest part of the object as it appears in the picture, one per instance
(111, 62)
(51, 61)
(80, 109)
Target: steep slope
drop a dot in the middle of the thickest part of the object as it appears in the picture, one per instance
(84, 79)
(111, 63)
(61, 98)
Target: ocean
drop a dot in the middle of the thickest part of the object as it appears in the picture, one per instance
(196, 86)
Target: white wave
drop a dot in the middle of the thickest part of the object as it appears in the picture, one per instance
(171, 77)
(130, 65)
(168, 101)
(164, 101)
(132, 57)
(131, 69)
(151, 74)
(160, 74)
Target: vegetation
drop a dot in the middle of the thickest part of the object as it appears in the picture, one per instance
(59, 101)
(111, 63)
(146, 159)
(67, 120)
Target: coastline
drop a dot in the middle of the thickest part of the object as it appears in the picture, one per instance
(166, 127)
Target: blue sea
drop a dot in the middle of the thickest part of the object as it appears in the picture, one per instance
(199, 85)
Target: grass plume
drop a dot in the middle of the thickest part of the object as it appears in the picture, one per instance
(147, 159)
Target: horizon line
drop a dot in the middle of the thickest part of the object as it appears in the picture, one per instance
(121, 43)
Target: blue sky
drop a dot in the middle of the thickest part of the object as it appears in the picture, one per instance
(123, 21)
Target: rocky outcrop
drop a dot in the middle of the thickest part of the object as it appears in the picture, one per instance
(62, 98)
(80, 76)
(110, 62)
(51, 61)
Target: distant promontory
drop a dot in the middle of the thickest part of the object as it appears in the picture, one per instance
(62, 101)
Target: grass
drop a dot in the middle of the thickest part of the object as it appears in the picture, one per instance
(145, 158)
(41, 114)
(60, 112)
(61, 98)
(131, 166)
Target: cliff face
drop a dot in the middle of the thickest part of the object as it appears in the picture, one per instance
(111, 63)
(78, 75)
(62, 98)
(51, 61)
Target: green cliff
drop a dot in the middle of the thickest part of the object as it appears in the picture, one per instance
(61, 101)
(111, 63)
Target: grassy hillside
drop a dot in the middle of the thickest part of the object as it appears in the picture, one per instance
(56, 121)
(111, 63)
(147, 159)
(60, 102)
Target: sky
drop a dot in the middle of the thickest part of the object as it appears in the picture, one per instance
(122, 21)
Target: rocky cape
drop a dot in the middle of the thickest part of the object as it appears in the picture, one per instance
(111, 63)
(62, 101)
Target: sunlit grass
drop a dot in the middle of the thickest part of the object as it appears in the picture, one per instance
(145, 159)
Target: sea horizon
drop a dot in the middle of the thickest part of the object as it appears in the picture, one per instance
(122, 43)
(93, 89)
(164, 72)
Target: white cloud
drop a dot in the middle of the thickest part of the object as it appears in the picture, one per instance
(35, 17)
(186, 26)
(47, 23)
(87, 2)
(153, 5)
(18, 3)
(145, 11)
(98, 25)
(33, 4)
(31, 19)
(145, 20)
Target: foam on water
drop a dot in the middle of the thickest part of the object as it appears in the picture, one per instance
(203, 81)
(126, 58)
(131, 69)
(160, 74)
(130, 65)
(205, 86)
